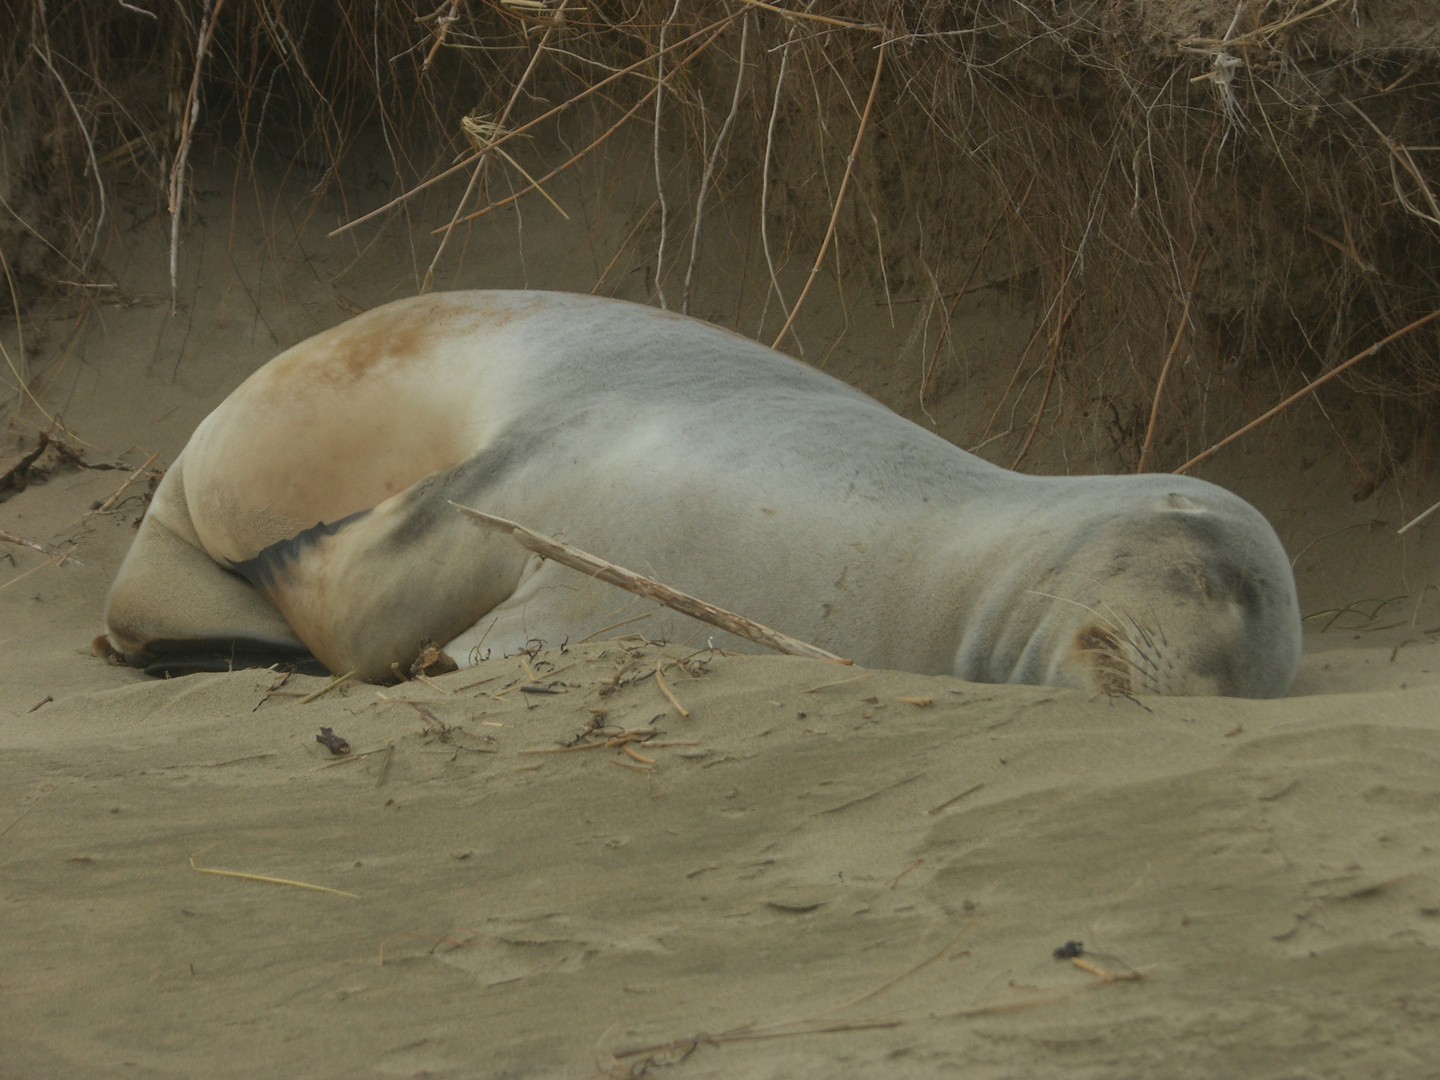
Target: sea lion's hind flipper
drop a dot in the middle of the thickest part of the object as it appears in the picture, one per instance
(170, 659)
(173, 609)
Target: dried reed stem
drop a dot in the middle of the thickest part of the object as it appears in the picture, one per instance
(94, 169)
(1052, 362)
(839, 199)
(825, 19)
(44, 549)
(765, 184)
(444, 19)
(608, 572)
(928, 380)
(1310, 388)
(659, 176)
(669, 694)
(472, 158)
(182, 155)
(1416, 520)
(1169, 359)
(534, 184)
(720, 140)
(483, 165)
(1401, 154)
(109, 504)
(266, 878)
(335, 682)
(603, 136)
(21, 370)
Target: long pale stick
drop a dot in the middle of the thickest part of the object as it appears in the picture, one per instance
(583, 561)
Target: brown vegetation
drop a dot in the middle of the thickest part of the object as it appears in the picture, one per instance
(1245, 189)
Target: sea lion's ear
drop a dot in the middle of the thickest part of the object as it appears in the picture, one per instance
(1183, 503)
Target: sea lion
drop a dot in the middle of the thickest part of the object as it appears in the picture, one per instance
(310, 511)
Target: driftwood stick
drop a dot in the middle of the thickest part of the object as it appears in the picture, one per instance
(583, 561)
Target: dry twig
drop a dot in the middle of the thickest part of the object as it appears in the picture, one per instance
(825, 20)
(182, 155)
(720, 142)
(44, 549)
(109, 504)
(839, 198)
(1309, 388)
(266, 878)
(598, 568)
(1416, 520)
(669, 694)
(499, 128)
(659, 175)
(470, 159)
(337, 681)
(1169, 359)
(654, 91)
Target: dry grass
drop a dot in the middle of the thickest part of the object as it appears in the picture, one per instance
(1095, 157)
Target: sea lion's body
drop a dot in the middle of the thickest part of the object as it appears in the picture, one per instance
(680, 450)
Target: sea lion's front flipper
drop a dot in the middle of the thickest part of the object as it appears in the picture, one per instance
(365, 593)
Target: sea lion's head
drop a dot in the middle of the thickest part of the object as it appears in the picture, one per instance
(1172, 586)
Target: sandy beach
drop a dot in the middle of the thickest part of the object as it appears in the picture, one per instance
(819, 872)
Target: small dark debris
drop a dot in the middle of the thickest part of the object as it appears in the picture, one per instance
(432, 661)
(537, 688)
(18, 476)
(794, 909)
(332, 742)
(74, 457)
(27, 469)
(1069, 950)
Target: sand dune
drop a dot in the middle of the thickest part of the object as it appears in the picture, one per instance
(823, 878)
